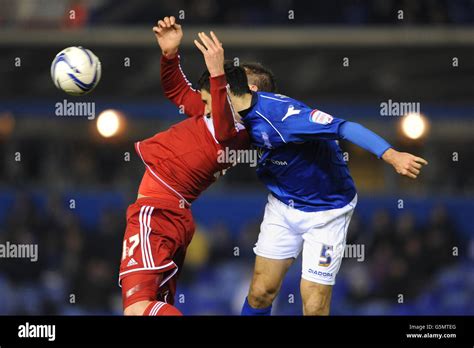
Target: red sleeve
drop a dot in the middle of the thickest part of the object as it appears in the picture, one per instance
(178, 89)
(222, 110)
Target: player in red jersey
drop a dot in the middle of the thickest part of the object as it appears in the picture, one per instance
(181, 162)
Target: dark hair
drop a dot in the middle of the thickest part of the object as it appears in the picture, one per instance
(260, 76)
(236, 78)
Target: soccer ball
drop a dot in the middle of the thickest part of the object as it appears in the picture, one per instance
(76, 70)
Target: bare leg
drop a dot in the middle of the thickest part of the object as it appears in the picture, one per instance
(316, 298)
(138, 308)
(267, 279)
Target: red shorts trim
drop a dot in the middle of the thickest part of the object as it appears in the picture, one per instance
(154, 270)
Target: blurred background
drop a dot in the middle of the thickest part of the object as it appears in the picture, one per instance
(68, 190)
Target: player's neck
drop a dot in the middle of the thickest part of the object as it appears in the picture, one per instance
(242, 103)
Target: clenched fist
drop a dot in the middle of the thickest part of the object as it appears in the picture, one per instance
(404, 163)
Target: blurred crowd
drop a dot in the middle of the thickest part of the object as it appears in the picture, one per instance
(403, 257)
(266, 12)
(77, 267)
(59, 165)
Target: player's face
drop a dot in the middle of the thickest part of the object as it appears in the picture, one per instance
(207, 100)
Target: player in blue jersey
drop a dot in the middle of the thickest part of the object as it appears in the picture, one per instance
(312, 194)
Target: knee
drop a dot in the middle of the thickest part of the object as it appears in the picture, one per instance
(316, 305)
(138, 308)
(262, 295)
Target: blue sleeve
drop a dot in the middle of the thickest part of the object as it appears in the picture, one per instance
(366, 139)
(302, 124)
(296, 122)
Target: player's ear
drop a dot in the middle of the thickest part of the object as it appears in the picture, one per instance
(253, 88)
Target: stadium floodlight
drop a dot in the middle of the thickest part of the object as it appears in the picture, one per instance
(414, 125)
(109, 123)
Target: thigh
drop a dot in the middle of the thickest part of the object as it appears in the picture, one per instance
(140, 287)
(323, 249)
(277, 241)
(155, 240)
(145, 249)
(153, 252)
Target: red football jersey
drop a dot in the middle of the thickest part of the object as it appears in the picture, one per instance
(183, 160)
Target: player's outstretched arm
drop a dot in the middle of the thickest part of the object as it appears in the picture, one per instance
(175, 85)
(222, 114)
(320, 125)
(404, 163)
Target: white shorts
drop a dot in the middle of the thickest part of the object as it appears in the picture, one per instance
(321, 235)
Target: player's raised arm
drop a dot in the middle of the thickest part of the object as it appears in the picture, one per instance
(176, 87)
(222, 112)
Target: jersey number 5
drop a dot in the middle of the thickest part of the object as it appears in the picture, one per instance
(326, 255)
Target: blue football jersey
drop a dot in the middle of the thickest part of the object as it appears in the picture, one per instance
(300, 160)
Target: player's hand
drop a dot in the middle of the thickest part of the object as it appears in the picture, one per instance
(213, 53)
(168, 33)
(404, 163)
